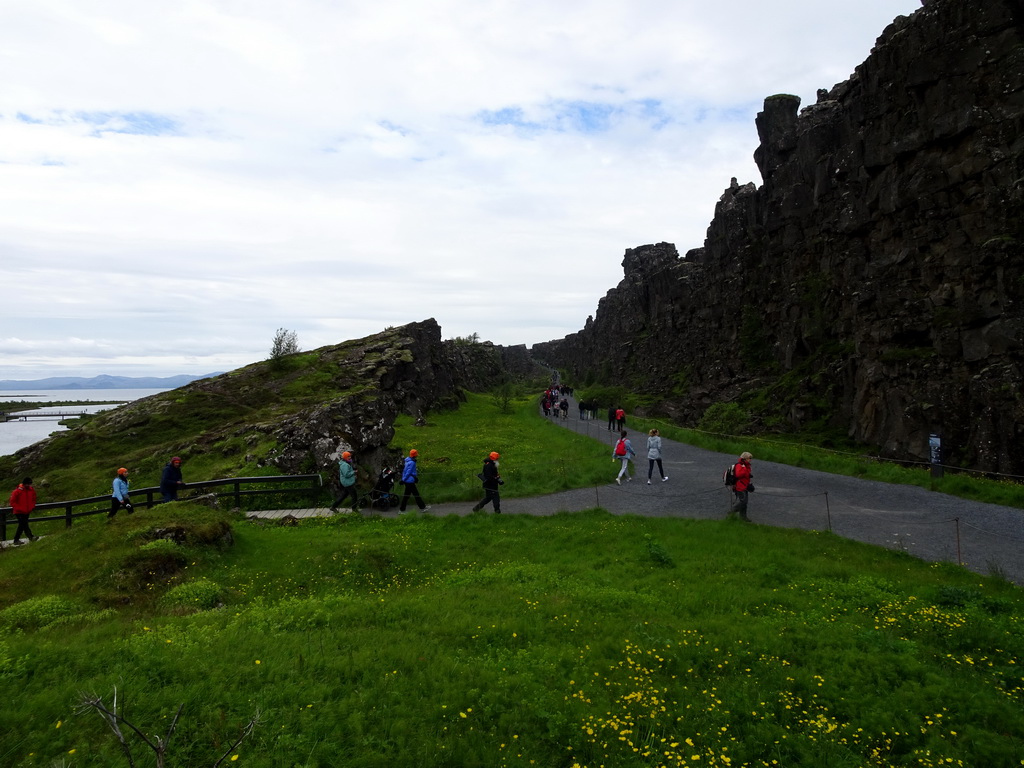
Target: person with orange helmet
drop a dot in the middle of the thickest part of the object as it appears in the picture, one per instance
(347, 480)
(491, 480)
(119, 497)
(410, 476)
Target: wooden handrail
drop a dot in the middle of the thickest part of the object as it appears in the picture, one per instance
(153, 497)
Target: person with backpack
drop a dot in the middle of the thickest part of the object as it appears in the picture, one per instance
(654, 455)
(624, 452)
(347, 481)
(620, 418)
(742, 486)
(491, 480)
(23, 501)
(410, 475)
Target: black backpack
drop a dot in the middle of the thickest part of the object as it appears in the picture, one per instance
(729, 476)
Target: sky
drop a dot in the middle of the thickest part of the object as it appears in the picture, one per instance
(178, 180)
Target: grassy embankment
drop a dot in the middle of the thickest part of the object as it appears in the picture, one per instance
(575, 640)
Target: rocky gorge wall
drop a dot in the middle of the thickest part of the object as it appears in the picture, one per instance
(875, 277)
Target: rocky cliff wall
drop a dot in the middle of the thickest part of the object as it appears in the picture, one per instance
(875, 277)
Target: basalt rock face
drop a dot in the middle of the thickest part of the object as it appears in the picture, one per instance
(875, 278)
(407, 370)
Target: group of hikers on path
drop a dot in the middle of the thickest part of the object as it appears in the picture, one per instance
(23, 498)
(739, 475)
(347, 475)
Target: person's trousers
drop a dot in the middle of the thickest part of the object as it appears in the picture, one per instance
(489, 496)
(625, 466)
(650, 468)
(411, 490)
(346, 491)
(115, 505)
(22, 527)
(740, 503)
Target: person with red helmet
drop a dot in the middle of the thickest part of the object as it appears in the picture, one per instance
(491, 480)
(410, 476)
(347, 480)
(170, 480)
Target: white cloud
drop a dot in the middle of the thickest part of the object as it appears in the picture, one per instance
(179, 180)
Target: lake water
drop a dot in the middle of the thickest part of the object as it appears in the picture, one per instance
(15, 435)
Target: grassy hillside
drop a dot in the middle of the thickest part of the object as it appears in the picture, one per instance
(574, 640)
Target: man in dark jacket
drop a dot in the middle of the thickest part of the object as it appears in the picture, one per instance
(170, 480)
(491, 480)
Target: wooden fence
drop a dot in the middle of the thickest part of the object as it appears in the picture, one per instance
(309, 485)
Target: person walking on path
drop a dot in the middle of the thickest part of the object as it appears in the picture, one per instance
(624, 452)
(742, 487)
(410, 476)
(611, 417)
(119, 497)
(564, 406)
(491, 480)
(23, 501)
(620, 419)
(170, 480)
(347, 480)
(654, 455)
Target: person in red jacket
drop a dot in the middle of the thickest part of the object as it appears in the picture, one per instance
(743, 486)
(23, 501)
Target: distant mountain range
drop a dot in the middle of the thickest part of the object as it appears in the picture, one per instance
(103, 382)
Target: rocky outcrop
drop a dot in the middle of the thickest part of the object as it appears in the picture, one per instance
(875, 277)
(297, 413)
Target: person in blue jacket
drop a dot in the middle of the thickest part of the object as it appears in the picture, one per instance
(119, 495)
(410, 476)
(347, 479)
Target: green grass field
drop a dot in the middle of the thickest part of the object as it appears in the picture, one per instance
(574, 640)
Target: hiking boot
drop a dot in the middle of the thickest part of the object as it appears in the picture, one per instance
(17, 542)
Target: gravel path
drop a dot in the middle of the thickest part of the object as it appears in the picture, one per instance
(986, 538)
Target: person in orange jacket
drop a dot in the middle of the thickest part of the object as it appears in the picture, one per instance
(23, 501)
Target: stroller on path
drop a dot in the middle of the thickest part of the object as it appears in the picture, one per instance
(380, 496)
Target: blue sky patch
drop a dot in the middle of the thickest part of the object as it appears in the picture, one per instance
(138, 123)
(578, 116)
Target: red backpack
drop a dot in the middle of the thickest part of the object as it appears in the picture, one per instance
(620, 447)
